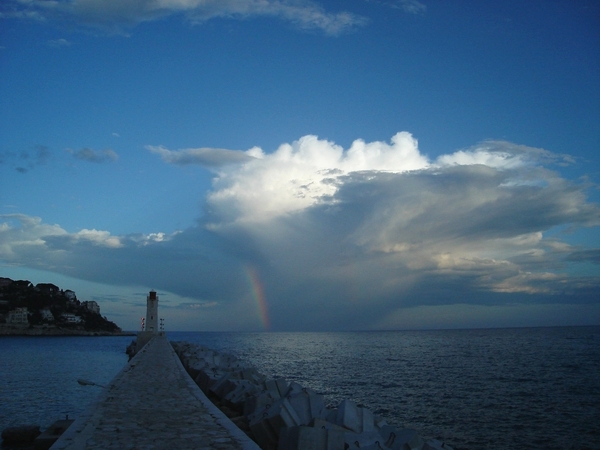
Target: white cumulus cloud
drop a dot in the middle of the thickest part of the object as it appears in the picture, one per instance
(304, 173)
(98, 237)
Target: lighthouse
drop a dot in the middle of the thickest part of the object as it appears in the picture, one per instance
(152, 312)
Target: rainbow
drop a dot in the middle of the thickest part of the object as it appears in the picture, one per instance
(259, 295)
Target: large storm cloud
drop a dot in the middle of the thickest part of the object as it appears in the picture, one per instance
(348, 238)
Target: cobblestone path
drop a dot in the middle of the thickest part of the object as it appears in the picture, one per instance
(154, 404)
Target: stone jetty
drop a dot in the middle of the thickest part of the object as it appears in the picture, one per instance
(286, 416)
(153, 404)
(160, 400)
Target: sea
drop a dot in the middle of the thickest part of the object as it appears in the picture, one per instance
(513, 388)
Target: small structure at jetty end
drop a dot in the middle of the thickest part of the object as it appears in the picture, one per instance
(152, 312)
(150, 323)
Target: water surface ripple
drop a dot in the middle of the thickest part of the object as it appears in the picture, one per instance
(475, 389)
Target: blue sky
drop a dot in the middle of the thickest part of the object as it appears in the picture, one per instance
(296, 165)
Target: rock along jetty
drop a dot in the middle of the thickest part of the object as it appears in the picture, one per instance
(153, 404)
(286, 416)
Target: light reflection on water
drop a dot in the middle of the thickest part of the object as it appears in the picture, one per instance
(533, 388)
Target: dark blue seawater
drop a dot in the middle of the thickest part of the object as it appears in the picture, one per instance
(535, 388)
(38, 375)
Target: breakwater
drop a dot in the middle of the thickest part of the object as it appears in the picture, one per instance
(287, 416)
(153, 403)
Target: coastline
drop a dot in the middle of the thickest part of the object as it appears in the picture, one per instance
(12, 330)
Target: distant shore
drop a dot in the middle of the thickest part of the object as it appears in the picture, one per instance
(13, 330)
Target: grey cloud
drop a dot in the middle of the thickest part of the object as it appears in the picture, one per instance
(101, 156)
(117, 17)
(209, 157)
(194, 254)
(27, 160)
(592, 255)
(462, 204)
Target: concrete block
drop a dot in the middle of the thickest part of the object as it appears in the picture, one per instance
(433, 444)
(259, 402)
(277, 388)
(224, 361)
(267, 423)
(331, 415)
(206, 378)
(403, 439)
(263, 434)
(252, 375)
(293, 388)
(357, 419)
(225, 384)
(240, 395)
(322, 423)
(379, 422)
(307, 438)
(308, 406)
(282, 414)
(231, 379)
(362, 440)
(193, 365)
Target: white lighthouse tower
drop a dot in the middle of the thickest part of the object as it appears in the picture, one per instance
(152, 312)
(149, 324)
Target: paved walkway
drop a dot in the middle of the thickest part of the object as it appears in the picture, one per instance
(154, 404)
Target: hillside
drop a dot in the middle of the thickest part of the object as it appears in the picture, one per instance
(47, 309)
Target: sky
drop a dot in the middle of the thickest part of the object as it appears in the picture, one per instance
(295, 165)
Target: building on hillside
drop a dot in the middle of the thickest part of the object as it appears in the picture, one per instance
(47, 315)
(18, 316)
(91, 306)
(71, 318)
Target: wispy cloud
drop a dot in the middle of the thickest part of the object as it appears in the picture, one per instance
(347, 236)
(101, 156)
(26, 160)
(408, 6)
(412, 6)
(124, 14)
(59, 43)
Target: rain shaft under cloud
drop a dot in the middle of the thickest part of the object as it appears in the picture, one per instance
(347, 239)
